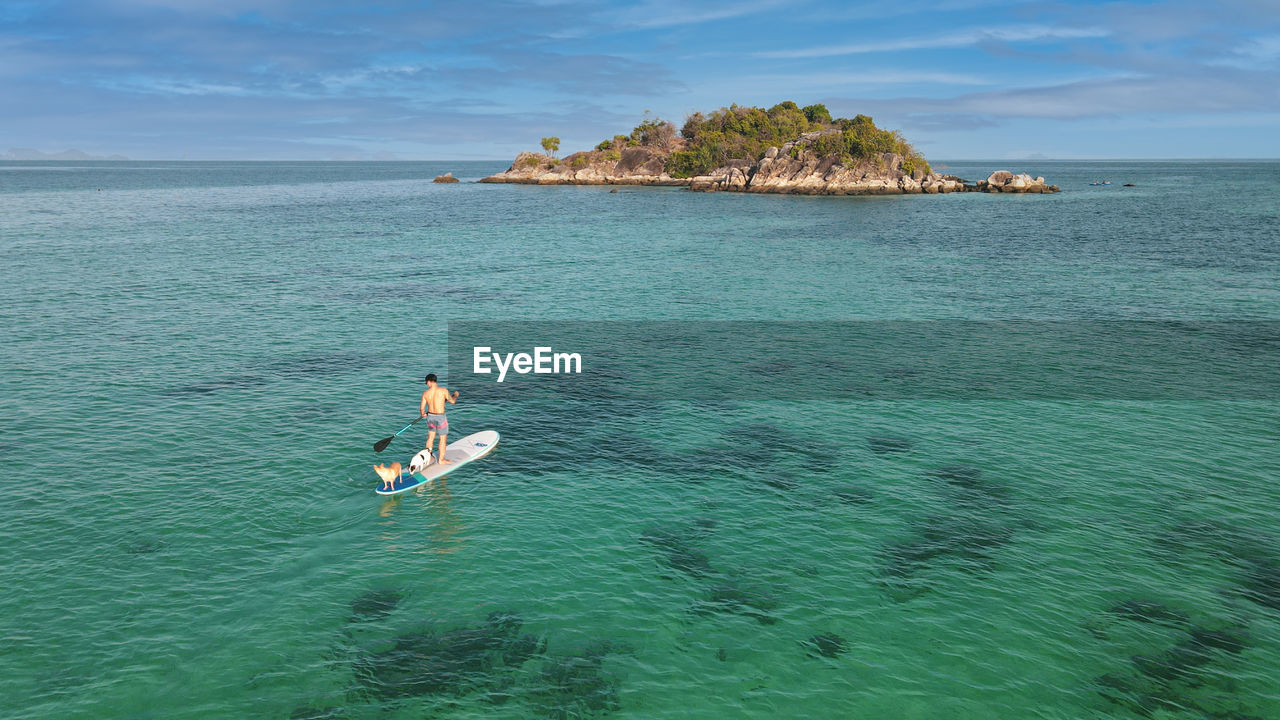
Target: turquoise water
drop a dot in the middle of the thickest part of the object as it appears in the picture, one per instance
(198, 357)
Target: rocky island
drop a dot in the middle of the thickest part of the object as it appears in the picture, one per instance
(784, 149)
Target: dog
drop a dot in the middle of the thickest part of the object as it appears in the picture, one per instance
(390, 474)
(419, 463)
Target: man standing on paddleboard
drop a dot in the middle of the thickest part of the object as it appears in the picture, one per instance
(432, 408)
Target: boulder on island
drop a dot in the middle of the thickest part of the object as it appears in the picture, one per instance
(1006, 182)
(445, 178)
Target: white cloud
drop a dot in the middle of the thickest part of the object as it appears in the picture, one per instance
(831, 80)
(963, 38)
(1262, 50)
(1224, 91)
(177, 87)
(651, 15)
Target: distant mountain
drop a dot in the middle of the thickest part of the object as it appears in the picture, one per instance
(32, 154)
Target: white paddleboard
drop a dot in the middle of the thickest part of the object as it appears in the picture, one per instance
(461, 452)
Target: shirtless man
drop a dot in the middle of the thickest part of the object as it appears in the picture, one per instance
(432, 408)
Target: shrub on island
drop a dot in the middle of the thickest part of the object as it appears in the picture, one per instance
(710, 141)
(745, 133)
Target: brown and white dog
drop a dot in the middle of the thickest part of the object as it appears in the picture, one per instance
(389, 474)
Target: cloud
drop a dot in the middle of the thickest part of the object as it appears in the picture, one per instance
(571, 74)
(1222, 91)
(963, 38)
(769, 88)
(1261, 51)
(866, 76)
(657, 14)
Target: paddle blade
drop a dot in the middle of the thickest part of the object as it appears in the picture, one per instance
(383, 443)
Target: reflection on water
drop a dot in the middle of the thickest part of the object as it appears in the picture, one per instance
(432, 506)
(447, 530)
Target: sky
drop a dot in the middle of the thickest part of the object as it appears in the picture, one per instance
(382, 79)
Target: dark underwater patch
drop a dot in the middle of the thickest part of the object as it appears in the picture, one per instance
(621, 446)
(828, 645)
(819, 458)
(952, 536)
(959, 475)
(853, 494)
(888, 444)
(1148, 611)
(781, 482)
(235, 382)
(966, 486)
(375, 604)
(1247, 338)
(722, 593)
(454, 662)
(1261, 583)
(763, 448)
(596, 434)
(308, 712)
(521, 649)
(576, 686)
(1184, 537)
(901, 372)
(970, 541)
(1183, 677)
(322, 364)
(734, 459)
(676, 544)
(1254, 557)
(733, 598)
(144, 546)
(1186, 675)
(772, 369)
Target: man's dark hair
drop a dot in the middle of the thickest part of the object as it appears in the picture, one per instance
(432, 378)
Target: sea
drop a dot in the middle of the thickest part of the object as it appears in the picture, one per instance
(198, 357)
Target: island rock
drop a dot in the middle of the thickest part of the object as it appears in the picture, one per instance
(831, 157)
(1006, 182)
(631, 166)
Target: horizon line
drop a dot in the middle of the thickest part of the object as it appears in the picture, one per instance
(452, 160)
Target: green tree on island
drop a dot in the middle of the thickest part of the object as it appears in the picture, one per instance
(738, 132)
(551, 145)
(711, 140)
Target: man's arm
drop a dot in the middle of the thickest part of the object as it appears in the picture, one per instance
(451, 397)
(422, 406)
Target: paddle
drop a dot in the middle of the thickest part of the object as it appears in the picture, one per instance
(384, 442)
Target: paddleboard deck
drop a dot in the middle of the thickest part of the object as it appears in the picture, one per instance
(461, 452)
